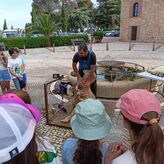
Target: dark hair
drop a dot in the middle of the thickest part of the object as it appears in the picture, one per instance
(22, 94)
(148, 141)
(12, 50)
(82, 46)
(1, 48)
(17, 49)
(28, 156)
(88, 152)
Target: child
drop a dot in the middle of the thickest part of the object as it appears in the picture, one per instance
(90, 124)
(4, 72)
(16, 69)
(141, 113)
(23, 65)
(18, 141)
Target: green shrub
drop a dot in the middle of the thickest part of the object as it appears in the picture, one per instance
(30, 42)
(98, 34)
(66, 40)
(36, 42)
(27, 42)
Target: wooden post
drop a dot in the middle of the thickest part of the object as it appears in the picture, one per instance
(130, 45)
(91, 42)
(46, 103)
(107, 46)
(24, 49)
(90, 46)
(153, 46)
(53, 47)
(4, 47)
(73, 46)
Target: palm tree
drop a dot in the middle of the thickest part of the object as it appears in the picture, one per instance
(44, 24)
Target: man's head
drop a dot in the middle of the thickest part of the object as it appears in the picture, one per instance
(83, 49)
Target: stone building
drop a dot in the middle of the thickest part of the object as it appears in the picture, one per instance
(142, 20)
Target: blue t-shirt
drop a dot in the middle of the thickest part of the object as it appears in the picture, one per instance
(69, 147)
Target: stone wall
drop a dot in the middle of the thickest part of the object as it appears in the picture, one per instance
(149, 22)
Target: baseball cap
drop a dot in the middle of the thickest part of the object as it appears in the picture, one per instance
(90, 122)
(136, 102)
(12, 98)
(17, 126)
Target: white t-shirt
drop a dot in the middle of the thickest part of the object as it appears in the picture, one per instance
(126, 158)
(15, 65)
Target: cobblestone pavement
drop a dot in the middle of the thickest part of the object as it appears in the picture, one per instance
(42, 63)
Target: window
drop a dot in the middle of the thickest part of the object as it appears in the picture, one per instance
(135, 9)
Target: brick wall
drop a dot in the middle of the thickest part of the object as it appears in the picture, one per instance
(149, 22)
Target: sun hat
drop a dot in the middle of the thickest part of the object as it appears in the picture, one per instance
(136, 102)
(90, 122)
(12, 98)
(17, 126)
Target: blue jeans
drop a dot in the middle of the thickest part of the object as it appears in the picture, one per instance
(16, 83)
(5, 75)
(24, 77)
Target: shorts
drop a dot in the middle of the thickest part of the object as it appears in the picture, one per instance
(5, 75)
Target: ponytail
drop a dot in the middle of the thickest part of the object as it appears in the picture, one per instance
(148, 144)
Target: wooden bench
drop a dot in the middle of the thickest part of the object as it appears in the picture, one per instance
(77, 41)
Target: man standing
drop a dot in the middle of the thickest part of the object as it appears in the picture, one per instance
(87, 61)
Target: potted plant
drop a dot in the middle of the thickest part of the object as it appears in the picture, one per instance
(98, 35)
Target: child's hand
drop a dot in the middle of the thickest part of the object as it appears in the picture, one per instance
(113, 147)
(19, 77)
(109, 156)
(114, 150)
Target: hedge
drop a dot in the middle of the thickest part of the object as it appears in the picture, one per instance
(98, 34)
(30, 42)
(110, 29)
(66, 40)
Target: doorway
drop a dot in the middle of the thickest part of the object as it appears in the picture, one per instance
(134, 33)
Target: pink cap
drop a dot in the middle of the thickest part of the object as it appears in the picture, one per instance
(12, 98)
(136, 102)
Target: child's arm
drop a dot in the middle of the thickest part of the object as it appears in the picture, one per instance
(23, 64)
(4, 60)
